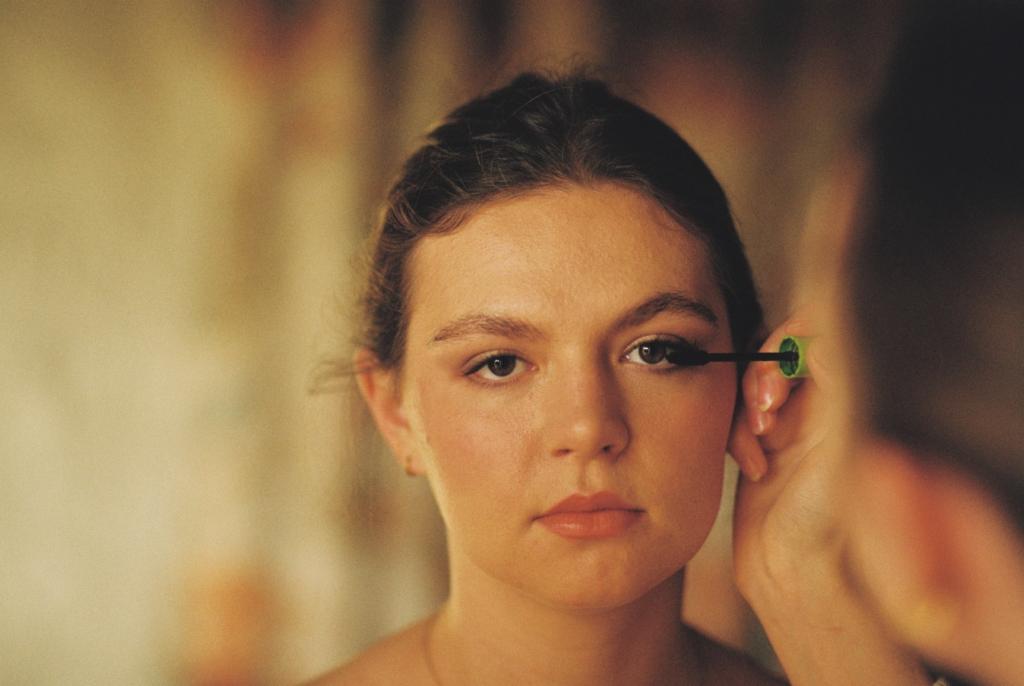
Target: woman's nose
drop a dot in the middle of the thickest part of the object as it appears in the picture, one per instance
(585, 415)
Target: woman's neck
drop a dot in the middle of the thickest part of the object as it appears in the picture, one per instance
(490, 633)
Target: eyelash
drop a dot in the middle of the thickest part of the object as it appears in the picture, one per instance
(670, 343)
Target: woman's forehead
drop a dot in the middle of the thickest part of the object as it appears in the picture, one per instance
(558, 250)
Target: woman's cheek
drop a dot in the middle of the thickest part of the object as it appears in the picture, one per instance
(475, 440)
(708, 425)
(692, 444)
(695, 416)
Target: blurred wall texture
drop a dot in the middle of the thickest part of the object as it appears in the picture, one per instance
(184, 189)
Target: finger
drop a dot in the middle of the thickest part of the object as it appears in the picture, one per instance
(765, 389)
(746, 450)
(772, 392)
(751, 412)
(791, 423)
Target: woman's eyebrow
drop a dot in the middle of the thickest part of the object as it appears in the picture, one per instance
(670, 301)
(511, 327)
(487, 324)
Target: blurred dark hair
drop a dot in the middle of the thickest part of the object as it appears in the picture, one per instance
(534, 132)
(937, 265)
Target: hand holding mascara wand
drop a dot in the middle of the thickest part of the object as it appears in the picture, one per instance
(792, 357)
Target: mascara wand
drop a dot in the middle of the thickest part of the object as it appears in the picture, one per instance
(792, 357)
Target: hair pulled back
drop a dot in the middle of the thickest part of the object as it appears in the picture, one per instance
(531, 133)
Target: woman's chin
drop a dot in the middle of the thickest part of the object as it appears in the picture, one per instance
(593, 590)
(595, 600)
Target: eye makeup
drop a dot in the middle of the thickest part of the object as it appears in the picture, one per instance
(792, 357)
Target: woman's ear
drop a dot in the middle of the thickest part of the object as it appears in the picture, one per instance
(943, 557)
(379, 387)
(907, 540)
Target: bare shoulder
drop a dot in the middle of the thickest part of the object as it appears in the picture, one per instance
(396, 659)
(729, 667)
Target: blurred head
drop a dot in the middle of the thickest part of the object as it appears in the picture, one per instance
(535, 259)
(934, 303)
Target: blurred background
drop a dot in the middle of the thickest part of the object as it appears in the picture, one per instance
(185, 187)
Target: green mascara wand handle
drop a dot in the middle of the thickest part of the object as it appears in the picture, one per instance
(797, 367)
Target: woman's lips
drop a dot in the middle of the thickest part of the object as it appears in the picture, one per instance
(596, 524)
(600, 515)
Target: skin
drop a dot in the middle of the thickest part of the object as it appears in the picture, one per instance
(567, 270)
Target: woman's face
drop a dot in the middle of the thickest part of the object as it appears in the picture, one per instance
(534, 370)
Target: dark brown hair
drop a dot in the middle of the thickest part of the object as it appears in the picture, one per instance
(534, 132)
(937, 265)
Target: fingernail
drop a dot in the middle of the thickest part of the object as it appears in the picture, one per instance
(765, 396)
(760, 423)
(757, 473)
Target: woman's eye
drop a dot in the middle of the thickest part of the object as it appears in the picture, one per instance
(652, 352)
(496, 367)
(655, 352)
